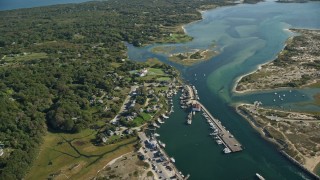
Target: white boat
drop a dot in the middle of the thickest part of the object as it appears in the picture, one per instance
(156, 135)
(164, 116)
(219, 141)
(159, 121)
(226, 150)
(172, 160)
(260, 177)
(189, 121)
(155, 125)
(163, 145)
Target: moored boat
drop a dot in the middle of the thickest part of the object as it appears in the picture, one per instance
(260, 177)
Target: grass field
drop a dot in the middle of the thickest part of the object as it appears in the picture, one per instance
(141, 119)
(178, 38)
(156, 71)
(71, 156)
(163, 79)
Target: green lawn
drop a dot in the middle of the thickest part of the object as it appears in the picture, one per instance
(155, 71)
(163, 79)
(178, 38)
(141, 119)
(74, 156)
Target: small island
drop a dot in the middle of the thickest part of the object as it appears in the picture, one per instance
(190, 58)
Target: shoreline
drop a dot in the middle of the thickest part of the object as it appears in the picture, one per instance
(258, 67)
(251, 120)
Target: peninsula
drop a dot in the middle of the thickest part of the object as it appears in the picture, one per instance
(296, 133)
(297, 65)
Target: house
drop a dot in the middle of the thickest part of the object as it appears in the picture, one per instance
(129, 118)
(143, 72)
(104, 139)
(128, 131)
(110, 133)
(196, 107)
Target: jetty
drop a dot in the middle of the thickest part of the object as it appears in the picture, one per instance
(227, 139)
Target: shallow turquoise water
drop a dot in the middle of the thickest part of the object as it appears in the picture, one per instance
(247, 35)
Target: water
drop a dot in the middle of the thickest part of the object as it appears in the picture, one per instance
(247, 35)
(17, 4)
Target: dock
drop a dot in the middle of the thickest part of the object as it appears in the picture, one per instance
(226, 137)
(228, 140)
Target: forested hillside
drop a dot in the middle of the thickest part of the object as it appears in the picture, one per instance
(55, 61)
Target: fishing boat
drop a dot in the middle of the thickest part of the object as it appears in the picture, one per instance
(172, 160)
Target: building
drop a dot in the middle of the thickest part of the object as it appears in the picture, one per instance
(196, 107)
(143, 72)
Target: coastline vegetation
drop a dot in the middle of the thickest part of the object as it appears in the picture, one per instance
(294, 132)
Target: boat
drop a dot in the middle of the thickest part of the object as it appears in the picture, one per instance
(172, 160)
(189, 121)
(193, 112)
(164, 116)
(226, 150)
(219, 141)
(155, 125)
(159, 121)
(156, 135)
(260, 177)
(163, 145)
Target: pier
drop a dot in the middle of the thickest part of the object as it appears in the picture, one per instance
(226, 137)
(228, 140)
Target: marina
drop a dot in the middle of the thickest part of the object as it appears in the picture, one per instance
(221, 135)
(251, 35)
